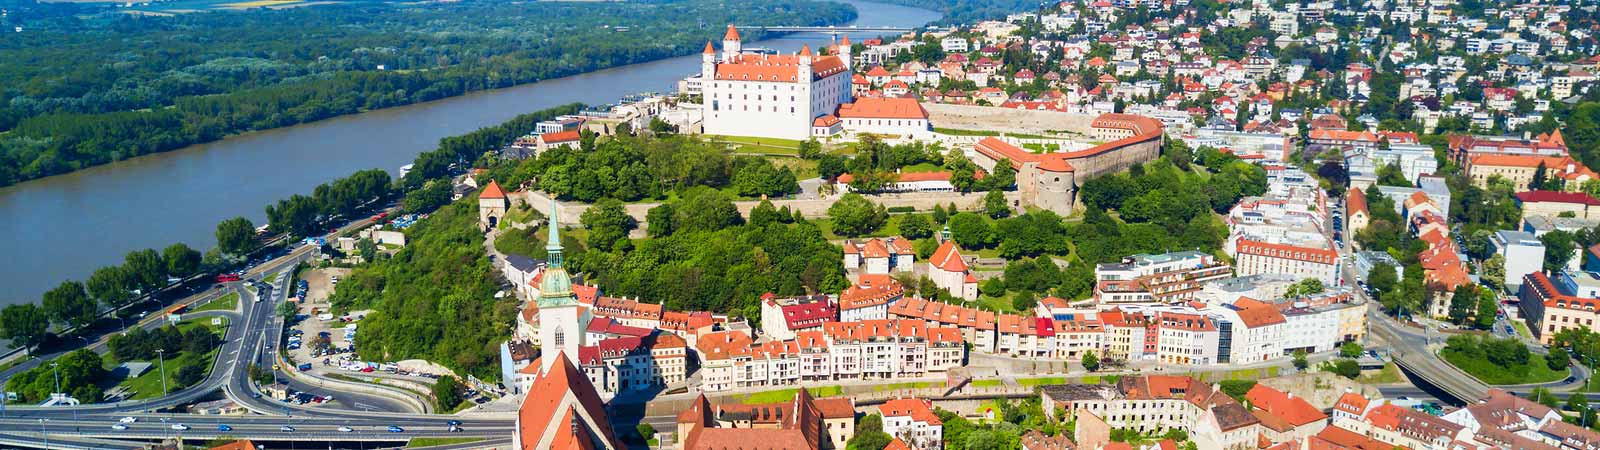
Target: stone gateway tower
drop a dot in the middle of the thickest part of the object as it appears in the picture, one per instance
(492, 206)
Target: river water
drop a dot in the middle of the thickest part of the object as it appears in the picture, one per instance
(66, 226)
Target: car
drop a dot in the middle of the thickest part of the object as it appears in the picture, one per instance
(455, 429)
(224, 427)
(119, 427)
(346, 429)
(179, 427)
(129, 419)
(453, 423)
(286, 429)
(396, 429)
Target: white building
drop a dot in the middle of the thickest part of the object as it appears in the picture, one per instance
(912, 421)
(776, 96)
(950, 272)
(1253, 258)
(1524, 254)
(893, 117)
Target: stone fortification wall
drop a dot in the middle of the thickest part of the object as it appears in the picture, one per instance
(572, 212)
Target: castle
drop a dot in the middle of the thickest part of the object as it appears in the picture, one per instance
(1051, 180)
(774, 96)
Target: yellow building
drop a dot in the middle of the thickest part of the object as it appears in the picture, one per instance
(1520, 169)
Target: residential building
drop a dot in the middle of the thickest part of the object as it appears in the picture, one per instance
(1163, 278)
(1520, 170)
(782, 317)
(870, 298)
(1523, 254)
(1553, 204)
(879, 256)
(1307, 262)
(912, 421)
(1551, 306)
(804, 423)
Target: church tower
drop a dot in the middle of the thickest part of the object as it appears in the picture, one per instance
(561, 324)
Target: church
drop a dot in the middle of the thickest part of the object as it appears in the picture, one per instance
(771, 95)
(563, 410)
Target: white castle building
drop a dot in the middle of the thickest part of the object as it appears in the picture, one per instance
(765, 95)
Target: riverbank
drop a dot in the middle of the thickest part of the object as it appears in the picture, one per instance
(64, 227)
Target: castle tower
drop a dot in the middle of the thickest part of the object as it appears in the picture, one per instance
(730, 43)
(561, 324)
(492, 206)
(844, 52)
(805, 63)
(708, 64)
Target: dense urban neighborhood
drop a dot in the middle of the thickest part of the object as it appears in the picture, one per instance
(1084, 225)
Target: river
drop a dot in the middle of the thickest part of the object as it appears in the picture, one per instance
(66, 226)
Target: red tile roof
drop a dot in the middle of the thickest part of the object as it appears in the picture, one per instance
(546, 410)
(561, 136)
(732, 34)
(492, 191)
(883, 108)
(948, 258)
(918, 409)
(1294, 410)
(1557, 197)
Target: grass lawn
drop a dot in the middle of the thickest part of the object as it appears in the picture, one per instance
(960, 132)
(1042, 381)
(910, 385)
(228, 302)
(784, 395)
(987, 383)
(802, 168)
(430, 442)
(890, 227)
(1534, 371)
(769, 146)
(148, 384)
(1591, 385)
(1389, 374)
(1522, 329)
(922, 167)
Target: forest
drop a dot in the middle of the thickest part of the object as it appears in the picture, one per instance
(87, 86)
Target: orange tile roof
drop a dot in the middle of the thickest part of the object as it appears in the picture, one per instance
(883, 108)
(919, 410)
(1342, 135)
(1356, 200)
(1352, 403)
(872, 290)
(546, 402)
(948, 258)
(1255, 313)
(732, 34)
(1294, 410)
(561, 136)
(492, 191)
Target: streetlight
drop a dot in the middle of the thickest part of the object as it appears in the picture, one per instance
(57, 373)
(162, 358)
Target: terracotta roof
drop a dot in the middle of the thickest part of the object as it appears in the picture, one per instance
(1341, 135)
(872, 290)
(1356, 200)
(492, 191)
(918, 409)
(825, 120)
(883, 108)
(1557, 197)
(1255, 313)
(1352, 403)
(948, 258)
(1335, 438)
(897, 444)
(732, 34)
(1294, 410)
(547, 409)
(561, 136)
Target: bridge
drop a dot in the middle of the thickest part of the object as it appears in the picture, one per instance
(830, 29)
(1409, 350)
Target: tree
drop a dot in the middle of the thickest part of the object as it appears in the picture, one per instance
(1303, 288)
(661, 220)
(1488, 307)
(446, 393)
(810, 149)
(111, 286)
(1558, 246)
(607, 222)
(705, 209)
(1558, 359)
(763, 214)
(854, 215)
(994, 203)
(288, 310)
(1382, 277)
(646, 431)
(971, 230)
(1300, 362)
(182, 261)
(188, 375)
(236, 236)
(146, 268)
(939, 214)
(915, 226)
(1463, 302)
(1350, 350)
(24, 324)
(70, 304)
(1344, 367)
(869, 434)
(830, 166)
(1091, 362)
(432, 195)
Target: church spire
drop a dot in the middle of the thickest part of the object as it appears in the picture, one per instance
(555, 286)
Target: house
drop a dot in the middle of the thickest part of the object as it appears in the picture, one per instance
(912, 421)
(781, 318)
(870, 298)
(1284, 416)
(879, 256)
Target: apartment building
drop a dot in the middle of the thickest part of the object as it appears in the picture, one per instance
(1163, 278)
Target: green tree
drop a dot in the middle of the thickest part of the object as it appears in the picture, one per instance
(1344, 367)
(854, 215)
(70, 304)
(869, 434)
(431, 196)
(188, 375)
(661, 220)
(182, 261)
(1382, 277)
(1558, 249)
(810, 149)
(1463, 302)
(149, 272)
(446, 393)
(1303, 288)
(763, 214)
(1091, 362)
(1558, 359)
(1350, 350)
(705, 209)
(939, 215)
(971, 230)
(607, 222)
(994, 203)
(915, 226)
(111, 286)
(236, 236)
(1488, 307)
(1300, 362)
(646, 431)
(25, 325)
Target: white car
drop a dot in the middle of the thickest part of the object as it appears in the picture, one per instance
(180, 427)
(286, 429)
(129, 419)
(346, 429)
(119, 427)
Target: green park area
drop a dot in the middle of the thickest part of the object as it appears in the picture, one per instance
(1500, 361)
(228, 302)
